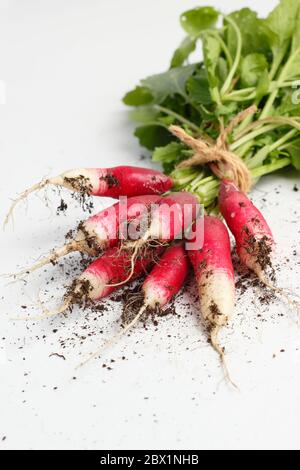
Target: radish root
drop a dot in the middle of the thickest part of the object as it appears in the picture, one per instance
(24, 195)
(144, 242)
(221, 351)
(137, 245)
(51, 258)
(281, 292)
(115, 338)
(47, 313)
(132, 265)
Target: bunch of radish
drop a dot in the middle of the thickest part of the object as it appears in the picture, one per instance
(163, 250)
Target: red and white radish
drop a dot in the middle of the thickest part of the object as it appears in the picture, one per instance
(166, 278)
(254, 240)
(102, 230)
(108, 182)
(160, 286)
(215, 278)
(94, 283)
(169, 221)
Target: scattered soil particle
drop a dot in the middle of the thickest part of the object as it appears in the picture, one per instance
(70, 234)
(61, 356)
(61, 209)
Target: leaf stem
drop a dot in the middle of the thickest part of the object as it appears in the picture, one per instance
(238, 95)
(177, 116)
(281, 79)
(228, 81)
(265, 169)
(246, 136)
(224, 47)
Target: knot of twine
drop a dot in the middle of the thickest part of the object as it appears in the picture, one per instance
(222, 162)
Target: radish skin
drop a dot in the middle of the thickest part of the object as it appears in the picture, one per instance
(100, 231)
(254, 240)
(117, 181)
(107, 182)
(166, 278)
(215, 279)
(170, 220)
(173, 216)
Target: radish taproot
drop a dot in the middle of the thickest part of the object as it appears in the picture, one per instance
(160, 286)
(107, 182)
(101, 231)
(170, 220)
(215, 279)
(254, 240)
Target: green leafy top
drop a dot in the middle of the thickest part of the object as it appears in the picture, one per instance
(198, 19)
(246, 60)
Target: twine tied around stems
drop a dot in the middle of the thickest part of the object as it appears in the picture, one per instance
(222, 162)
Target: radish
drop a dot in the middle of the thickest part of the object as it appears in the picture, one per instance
(215, 279)
(102, 230)
(112, 267)
(108, 182)
(160, 286)
(172, 217)
(166, 278)
(254, 240)
(169, 220)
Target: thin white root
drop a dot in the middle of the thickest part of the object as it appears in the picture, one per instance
(22, 196)
(221, 351)
(55, 254)
(47, 313)
(114, 339)
(282, 293)
(137, 246)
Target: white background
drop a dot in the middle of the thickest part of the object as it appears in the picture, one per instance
(66, 66)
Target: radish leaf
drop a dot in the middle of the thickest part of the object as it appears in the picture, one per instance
(169, 83)
(198, 19)
(182, 53)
